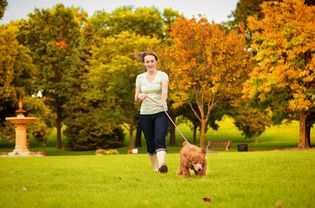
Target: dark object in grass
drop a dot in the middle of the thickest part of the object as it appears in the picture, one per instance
(206, 199)
(242, 147)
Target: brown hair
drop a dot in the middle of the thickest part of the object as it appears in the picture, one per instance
(148, 53)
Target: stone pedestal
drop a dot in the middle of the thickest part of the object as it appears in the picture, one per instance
(21, 144)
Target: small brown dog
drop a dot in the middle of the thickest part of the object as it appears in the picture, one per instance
(194, 158)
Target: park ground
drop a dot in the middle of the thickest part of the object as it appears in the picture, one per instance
(272, 174)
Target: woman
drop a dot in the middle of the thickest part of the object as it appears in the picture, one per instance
(153, 85)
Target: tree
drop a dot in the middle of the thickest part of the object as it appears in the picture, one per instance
(40, 128)
(284, 50)
(54, 39)
(107, 91)
(246, 8)
(113, 69)
(142, 21)
(187, 115)
(252, 120)
(136, 26)
(17, 80)
(210, 66)
(16, 71)
(3, 5)
(16, 67)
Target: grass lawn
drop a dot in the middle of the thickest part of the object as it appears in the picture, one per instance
(234, 179)
(259, 178)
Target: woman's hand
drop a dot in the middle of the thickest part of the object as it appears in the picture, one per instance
(142, 96)
(162, 104)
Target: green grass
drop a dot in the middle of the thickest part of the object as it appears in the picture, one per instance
(258, 178)
(275, 137)
(282, 136)
(234, 179)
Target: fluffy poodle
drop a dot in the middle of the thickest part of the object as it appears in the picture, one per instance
(194, 158)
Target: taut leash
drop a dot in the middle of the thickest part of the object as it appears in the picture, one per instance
(169, 117)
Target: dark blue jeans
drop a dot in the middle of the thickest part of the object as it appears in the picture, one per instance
(154, 127)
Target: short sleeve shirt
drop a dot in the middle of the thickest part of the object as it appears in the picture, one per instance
(153, 90)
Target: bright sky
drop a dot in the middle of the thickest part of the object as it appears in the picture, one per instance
(213, 10)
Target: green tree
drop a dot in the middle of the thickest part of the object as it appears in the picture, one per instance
(142, 21)
(42, 127)
(86, 104)
(54, 38)
(114, 68)
(3, 6)
(246, 8)
(107, 89)
(17, 79)
(252, 120)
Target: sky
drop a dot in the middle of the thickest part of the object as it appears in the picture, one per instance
(213, 10)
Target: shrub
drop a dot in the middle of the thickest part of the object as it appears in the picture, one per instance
(106, 152)
(87, 139)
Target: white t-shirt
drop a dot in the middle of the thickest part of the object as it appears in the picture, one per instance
(153, 90)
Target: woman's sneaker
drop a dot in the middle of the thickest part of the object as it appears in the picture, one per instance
(163, 168)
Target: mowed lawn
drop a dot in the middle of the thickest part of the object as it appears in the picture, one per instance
(234, 179)
(271, 174)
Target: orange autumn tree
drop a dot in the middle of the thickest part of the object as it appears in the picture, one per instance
(209, 67)
(284, 46)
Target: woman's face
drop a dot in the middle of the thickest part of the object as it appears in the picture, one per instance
(150, 63)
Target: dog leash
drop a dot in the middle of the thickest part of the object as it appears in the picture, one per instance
(169, 117)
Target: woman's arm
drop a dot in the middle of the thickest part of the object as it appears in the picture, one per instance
(164, 92)
(137, 92)
(139, 95)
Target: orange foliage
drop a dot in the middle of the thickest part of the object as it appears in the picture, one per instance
(284, 41)
(209, 66)
(61, 44)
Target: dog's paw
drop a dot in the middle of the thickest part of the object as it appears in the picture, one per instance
(179, 172)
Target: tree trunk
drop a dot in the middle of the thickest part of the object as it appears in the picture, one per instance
(172, 131)
(202, 132)
(304, 137)
(138, 142)
(256, 139)
(308, 134)
(310, 122)
(195, 134)
(58, 125)
(173, 135)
